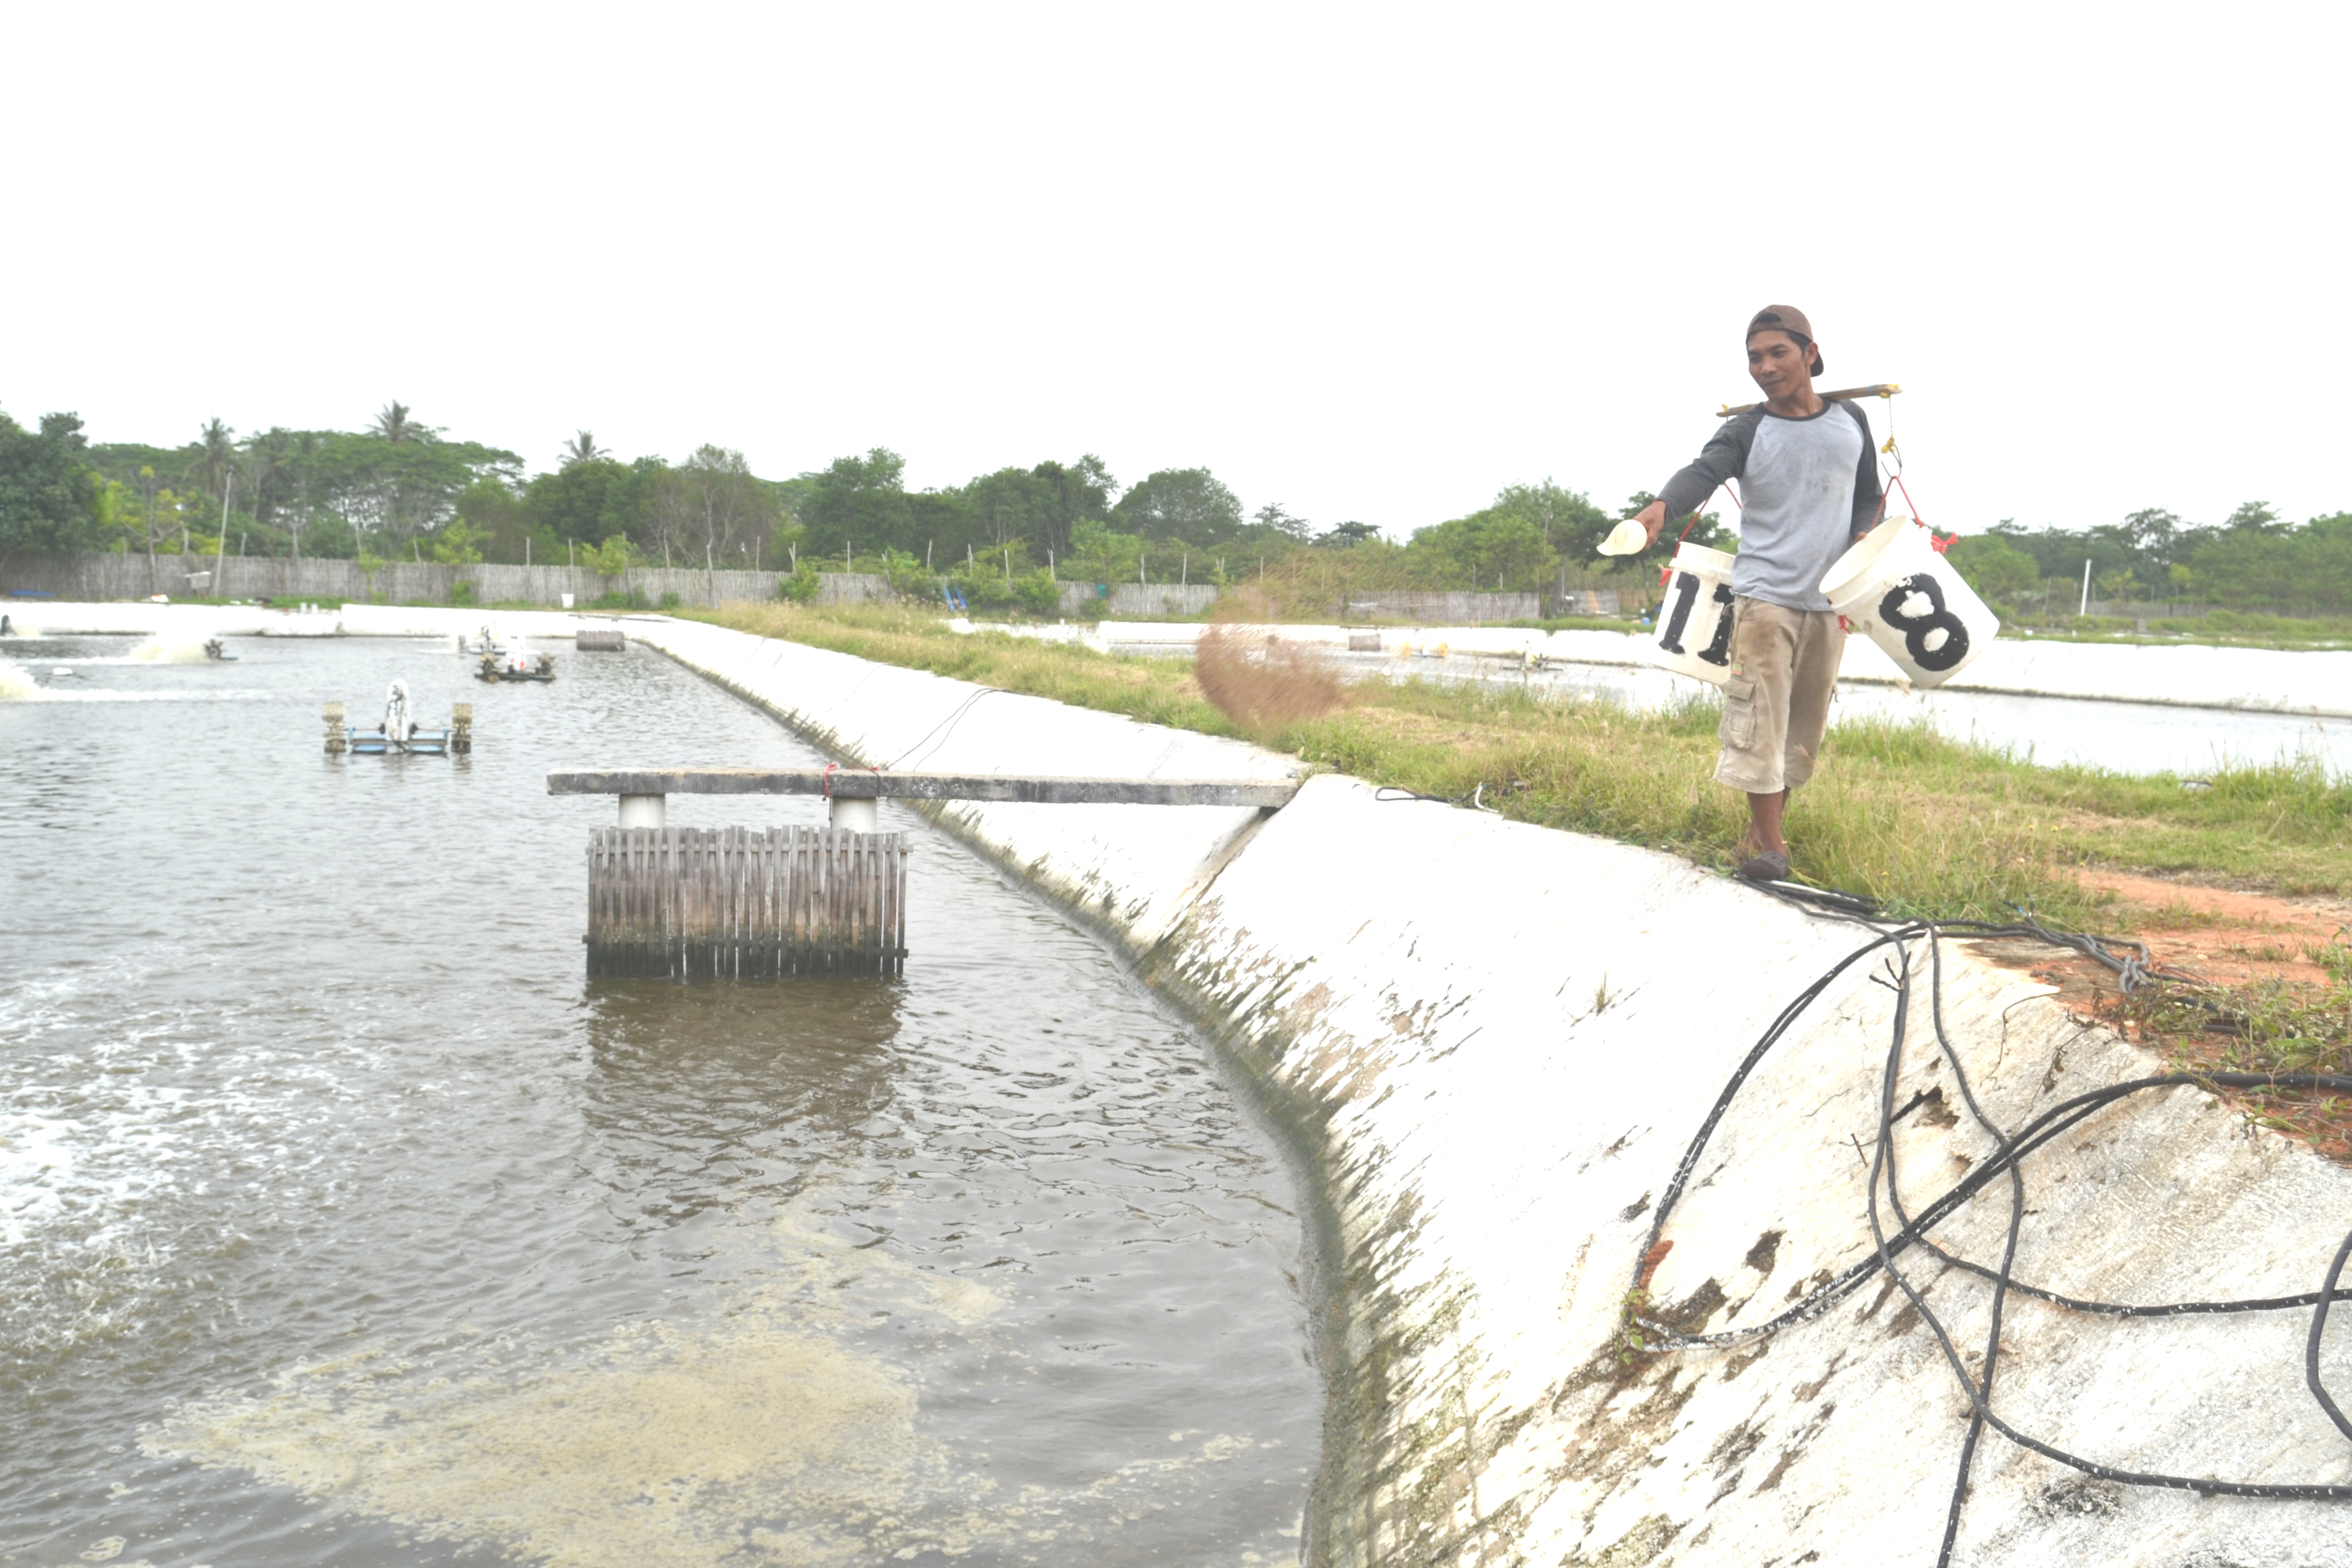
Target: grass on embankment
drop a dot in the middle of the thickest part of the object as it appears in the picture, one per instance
(2219, 629)
(1928, 825)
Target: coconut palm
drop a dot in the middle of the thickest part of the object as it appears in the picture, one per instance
(396, 424)
(582, 448)
(215, 455)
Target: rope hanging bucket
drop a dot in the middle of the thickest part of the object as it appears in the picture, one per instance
(1694, 631)
(1905, 597)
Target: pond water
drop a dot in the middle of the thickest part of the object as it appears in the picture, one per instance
(2124, 736)
(343, 1221)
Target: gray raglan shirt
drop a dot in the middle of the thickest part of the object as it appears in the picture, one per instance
(1806, 487)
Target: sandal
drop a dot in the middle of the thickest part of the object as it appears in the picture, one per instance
(1773, 866)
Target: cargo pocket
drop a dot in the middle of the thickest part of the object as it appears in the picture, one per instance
(1739, 726)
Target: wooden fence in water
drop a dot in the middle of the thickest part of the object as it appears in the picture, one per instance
(746, 901)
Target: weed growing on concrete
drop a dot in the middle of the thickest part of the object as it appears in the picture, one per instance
(1629, 1342)
(2264, 1027)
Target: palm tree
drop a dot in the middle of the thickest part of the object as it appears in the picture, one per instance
(582, 448)
(215, 455)
(395, 424)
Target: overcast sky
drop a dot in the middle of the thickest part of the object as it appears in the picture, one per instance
(1372, 263)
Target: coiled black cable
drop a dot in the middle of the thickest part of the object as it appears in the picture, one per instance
(2132, 968)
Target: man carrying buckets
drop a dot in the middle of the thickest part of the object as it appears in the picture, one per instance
(1808, 473)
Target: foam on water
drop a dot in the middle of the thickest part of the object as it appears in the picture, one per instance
(101, 694)
(766, 1434)
(36, 1160)
(92, 1147)
(16, 684)
(166, 648)
(658, 1447)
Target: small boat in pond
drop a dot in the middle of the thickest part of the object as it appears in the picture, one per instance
(514, 664)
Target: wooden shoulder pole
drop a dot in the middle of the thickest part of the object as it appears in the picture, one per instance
(1844, 394)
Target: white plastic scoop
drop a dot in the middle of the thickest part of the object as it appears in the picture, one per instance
(1628, 538)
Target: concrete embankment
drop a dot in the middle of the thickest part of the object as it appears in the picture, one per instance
(1495, 1042)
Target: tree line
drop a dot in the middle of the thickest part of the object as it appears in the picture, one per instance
(402, 489)
(2252, 560)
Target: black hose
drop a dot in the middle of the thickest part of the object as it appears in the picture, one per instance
(2319, 1326)
(2133, 968)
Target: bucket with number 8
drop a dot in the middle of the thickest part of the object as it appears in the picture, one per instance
(1898, 590)
(1694, 635)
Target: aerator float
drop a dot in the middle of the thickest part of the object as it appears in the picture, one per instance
(399, 734)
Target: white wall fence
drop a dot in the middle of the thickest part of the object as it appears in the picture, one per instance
(1443, 609)
(101, 578)
(112, 578)
(1130, 601)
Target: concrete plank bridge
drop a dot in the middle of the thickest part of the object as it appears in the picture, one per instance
(731, 900)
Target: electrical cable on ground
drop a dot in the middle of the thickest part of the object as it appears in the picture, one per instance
(1475, 800)
(955, 716)
(2132, 969)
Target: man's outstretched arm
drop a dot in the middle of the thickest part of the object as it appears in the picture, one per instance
(1725, 456)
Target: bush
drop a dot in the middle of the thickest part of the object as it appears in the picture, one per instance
(1038, 594)
(1030, 592)
(800, 586)
(670, 601)
(461, 592)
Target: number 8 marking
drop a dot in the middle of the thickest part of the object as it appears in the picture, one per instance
(1914, 628)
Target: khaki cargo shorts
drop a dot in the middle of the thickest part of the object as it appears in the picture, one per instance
(1784, 669)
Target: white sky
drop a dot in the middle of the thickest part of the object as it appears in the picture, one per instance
(1370, 262)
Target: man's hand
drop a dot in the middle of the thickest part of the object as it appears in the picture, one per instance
(1652, 519)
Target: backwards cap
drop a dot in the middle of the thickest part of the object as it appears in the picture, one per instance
(1785, 318)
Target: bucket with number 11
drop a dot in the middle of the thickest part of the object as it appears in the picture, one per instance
(1694, 635)
(1900, 593)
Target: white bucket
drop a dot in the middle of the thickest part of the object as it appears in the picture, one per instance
(1694, 631)
(1896, 590)
(567, 601)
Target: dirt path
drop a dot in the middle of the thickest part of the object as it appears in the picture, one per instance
(2216, 935)
(2228, 937)
(2248, 953)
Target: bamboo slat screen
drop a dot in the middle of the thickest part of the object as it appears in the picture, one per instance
(744, 901)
